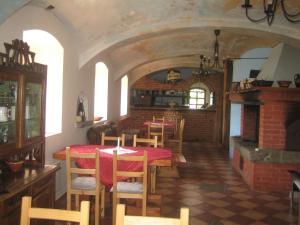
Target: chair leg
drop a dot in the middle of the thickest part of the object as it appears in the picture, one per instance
(102, 202)
(97, 209)
(114, 208)
(77, 202)
(69, 203)
(144, 207)
(180, 147)
(69, 199)
(153, 171)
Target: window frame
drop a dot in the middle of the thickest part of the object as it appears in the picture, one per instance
(124, 96)
(198, 91)
(101, 78)
(55, 75)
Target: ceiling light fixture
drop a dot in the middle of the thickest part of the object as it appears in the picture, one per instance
(270, 7)
(207, 65)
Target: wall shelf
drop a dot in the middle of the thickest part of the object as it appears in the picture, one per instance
(84, 124)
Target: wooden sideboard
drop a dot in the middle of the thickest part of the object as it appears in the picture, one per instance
(22, 133)
(36, 182)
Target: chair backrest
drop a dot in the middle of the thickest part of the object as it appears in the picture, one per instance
(158, 119)
(130, 174)
(157, 129)
(181, 128)
(145, 141)
(174, 117)
(73, 170)
(123, 219)
(28, 212)
(105, 138)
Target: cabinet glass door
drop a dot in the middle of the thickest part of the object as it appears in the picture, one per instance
(33, 112)
(8, 100)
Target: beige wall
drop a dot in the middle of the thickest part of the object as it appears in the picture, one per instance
(74, 81)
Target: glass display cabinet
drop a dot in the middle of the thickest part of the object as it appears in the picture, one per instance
(33, 116)
(22, 134)
(8, 103)
(22, 105)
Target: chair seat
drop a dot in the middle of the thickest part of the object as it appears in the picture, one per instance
(85, 183)
(129, 187)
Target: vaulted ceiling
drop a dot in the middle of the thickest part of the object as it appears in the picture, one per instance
(134, 34)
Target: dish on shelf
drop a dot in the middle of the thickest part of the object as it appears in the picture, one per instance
(262, 83)
(15, 166)
(284, 83)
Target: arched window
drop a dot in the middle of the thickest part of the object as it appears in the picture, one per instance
(197, 98)
(124, 95)
(200, 96)
(50, 52)
(101, 91)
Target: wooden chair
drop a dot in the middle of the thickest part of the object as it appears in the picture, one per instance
(89, 184)
(28, 212)
(127, 189)
(157, 130)
(123, 219)
(105, 138)
(153, 169)
(158, 119)
(179, 136)
(174, 117)
(143, 141)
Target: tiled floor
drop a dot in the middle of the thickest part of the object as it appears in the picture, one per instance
(216, 194)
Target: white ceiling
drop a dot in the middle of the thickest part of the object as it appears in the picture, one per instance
(134, 33)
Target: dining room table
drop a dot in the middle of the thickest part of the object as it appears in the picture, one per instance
(156, 157)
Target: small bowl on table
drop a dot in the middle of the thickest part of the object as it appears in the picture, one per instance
(284, 83)
(15, 166)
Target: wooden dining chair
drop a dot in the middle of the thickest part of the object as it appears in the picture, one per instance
(105, 139)
(175, 118)
(145, 141)
(158, 119)
(178, 137)
(28, 212)
(84, 181)
(127, 189)
(123, 219)
(153, 169)
(157, 129)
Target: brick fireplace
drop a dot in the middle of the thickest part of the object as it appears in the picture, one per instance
(270, 133)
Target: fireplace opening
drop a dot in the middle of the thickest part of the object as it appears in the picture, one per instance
(250, 123)
(293, 136)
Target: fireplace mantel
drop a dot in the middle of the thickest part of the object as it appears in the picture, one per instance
(261, 95)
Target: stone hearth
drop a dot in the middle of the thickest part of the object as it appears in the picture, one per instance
(263, 155)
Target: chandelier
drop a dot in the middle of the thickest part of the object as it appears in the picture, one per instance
(270, 7)
(207, 65)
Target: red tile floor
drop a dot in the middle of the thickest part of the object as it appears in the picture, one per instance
(216, 194)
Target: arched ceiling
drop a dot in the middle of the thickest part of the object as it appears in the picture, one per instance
(133, 34)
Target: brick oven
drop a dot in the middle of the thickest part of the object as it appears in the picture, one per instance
(269, 144)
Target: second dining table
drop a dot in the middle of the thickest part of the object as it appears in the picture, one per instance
(156, 157)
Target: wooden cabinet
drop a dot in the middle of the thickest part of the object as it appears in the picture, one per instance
(22, 105)
(22, 133)
(36, 182)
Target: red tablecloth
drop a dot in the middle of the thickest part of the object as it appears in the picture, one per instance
(106, 159)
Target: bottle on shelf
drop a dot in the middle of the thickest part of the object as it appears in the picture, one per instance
(80, 110)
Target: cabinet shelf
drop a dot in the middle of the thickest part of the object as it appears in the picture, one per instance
(7, 122)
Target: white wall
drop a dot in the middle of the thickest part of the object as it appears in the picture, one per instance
(73, 83)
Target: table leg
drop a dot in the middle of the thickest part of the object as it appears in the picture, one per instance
(153, 170)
